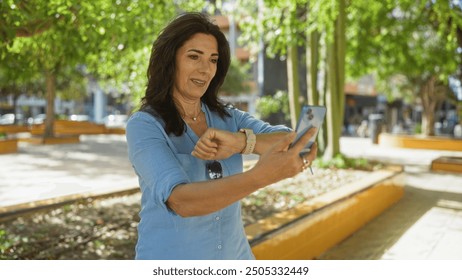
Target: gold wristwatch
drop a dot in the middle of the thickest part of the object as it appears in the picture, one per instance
(251, 140)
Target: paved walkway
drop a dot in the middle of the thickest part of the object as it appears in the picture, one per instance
(425, 224)
(98, 164)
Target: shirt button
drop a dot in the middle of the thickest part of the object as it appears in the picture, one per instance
(219, 247)
(217, 218)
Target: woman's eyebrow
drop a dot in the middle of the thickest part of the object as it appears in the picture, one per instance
(201, 52)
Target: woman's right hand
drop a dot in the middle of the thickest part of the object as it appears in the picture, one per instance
(282, 160)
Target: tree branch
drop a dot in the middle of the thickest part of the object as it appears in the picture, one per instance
(34, 28)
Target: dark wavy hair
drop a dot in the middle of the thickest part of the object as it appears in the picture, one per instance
(161, 69)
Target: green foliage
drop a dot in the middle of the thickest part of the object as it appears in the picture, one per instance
(414, 39)
(71, 84)
(284, 23)
(112, 38)
(18, 74)
(238, 75)
(418, 129)
(341, 162)
(411, 47)
(268, 105)
(277, 23)
(5, 243)
(288, 24)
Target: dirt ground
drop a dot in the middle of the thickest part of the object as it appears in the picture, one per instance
(107, 228)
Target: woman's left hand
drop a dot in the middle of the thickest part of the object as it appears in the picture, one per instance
(217, 144)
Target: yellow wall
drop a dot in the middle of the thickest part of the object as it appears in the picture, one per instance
(321, 230)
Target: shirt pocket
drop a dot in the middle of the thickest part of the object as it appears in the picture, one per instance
(193, 167)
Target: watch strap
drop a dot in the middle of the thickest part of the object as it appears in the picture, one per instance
(251, 140)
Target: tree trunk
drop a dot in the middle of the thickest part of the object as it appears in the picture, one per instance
(322, 139)
(50, 111)
(430, 96)
(428, 123)
(335, 97)
(15, 105)
(315, 96)
(333, 146)
(312, 67)
(293, 84)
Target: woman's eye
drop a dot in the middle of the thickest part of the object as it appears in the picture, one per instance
(214, 60)
(193, 56)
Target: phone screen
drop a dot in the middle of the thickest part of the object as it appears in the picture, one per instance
(310, 116)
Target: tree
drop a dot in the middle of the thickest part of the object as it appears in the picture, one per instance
(286, 25)
(100, 34)
(414, 42)
(279, 25)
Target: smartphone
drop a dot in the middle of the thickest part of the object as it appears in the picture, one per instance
(310, 116)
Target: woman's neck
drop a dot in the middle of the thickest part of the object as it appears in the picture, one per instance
(189, 108)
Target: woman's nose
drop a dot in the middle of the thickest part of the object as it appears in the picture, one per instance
(205, 66)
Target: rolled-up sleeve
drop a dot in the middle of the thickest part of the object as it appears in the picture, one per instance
(152, 158)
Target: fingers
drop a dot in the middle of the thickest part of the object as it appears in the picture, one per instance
(303, 141)
(313, 152)
(308, 158)
(215, 144)
(311, 155)
(205, 147)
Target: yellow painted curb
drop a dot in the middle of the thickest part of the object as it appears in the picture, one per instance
(13, 129)
(115, 130)
(52, 140)
(420, 142)
(312, 228)
(450, 164)
(66, 127)
(8, 146)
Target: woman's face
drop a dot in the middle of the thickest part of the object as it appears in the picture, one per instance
(196, 65)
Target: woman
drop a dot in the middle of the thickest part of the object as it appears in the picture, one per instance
(186, 148)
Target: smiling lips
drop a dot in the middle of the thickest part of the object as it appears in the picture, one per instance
(199, 83)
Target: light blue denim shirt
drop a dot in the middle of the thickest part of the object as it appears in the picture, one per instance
(164, 161)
